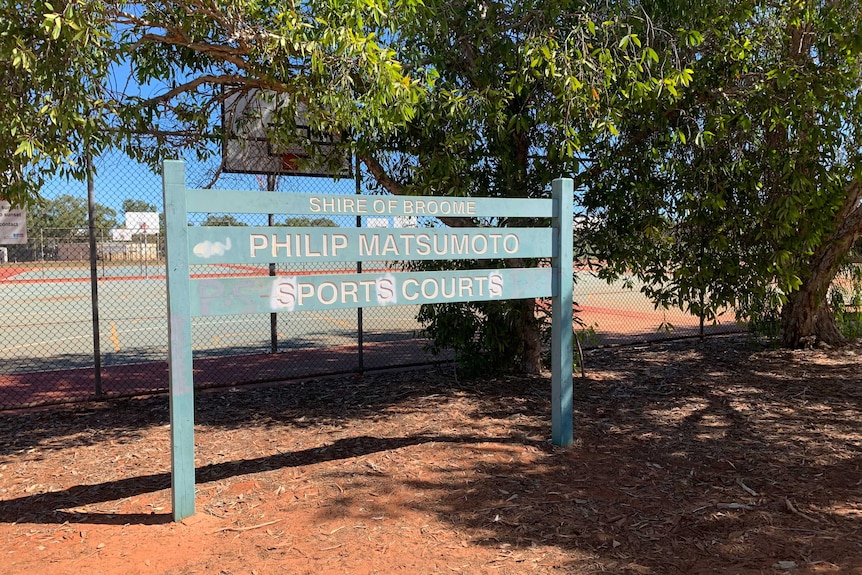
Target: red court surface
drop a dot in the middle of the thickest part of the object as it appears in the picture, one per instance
(46, 388)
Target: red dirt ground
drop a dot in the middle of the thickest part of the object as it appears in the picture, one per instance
(690, 457)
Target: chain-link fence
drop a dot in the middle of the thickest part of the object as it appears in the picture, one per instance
(86, 312)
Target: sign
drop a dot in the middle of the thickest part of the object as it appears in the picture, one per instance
(229, 296)
(13, 224)
(250, 245)
(198, 297)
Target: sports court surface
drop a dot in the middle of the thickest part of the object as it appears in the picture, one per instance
(47, 332)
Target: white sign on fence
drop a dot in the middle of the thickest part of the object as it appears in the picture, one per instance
(13, 224)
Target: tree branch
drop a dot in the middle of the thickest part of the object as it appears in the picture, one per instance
(396, 189)
(223, 79)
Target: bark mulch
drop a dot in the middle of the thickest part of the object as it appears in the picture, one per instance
(690, 457)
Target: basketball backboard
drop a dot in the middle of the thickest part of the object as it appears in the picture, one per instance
(248, 118)
(143, 222)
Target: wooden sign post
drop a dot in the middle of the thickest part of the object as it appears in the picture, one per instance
(188, 297)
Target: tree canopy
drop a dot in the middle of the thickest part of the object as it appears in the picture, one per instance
(68, 214)
(748, 188)
(54, 61)
(304, 222)
(716, 145)
(222, 220)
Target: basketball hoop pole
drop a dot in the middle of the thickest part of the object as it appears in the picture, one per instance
(144, 253)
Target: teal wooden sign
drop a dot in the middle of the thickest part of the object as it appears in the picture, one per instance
(193, 297)
(248, 245)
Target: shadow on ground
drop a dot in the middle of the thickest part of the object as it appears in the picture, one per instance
(690, 457)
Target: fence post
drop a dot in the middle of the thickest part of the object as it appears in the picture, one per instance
(562, 432)
(360, 329)
(273, 317)
(94, 274)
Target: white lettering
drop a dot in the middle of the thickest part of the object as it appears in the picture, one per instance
(349, 289)
(390, 247)
(283, 294)
(426, 293)
(481, 281)
(484, 244)
(512, 243)
(306, 290)
(339, 242)
(276, 244)
(308, 251)
(385, 290)
(460, 245)
(465, 285)
(369, 248)
(327, 300)
(258, 242)
(495, 284)
(451, 293)
(423, 244)
(367, 285)
(411, 282)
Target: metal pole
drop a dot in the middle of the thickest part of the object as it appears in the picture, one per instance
(146, 255)
(360, 333)
(103, 255)
(273, 318)
(94, 279)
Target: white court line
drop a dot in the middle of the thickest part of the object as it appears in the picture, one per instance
(46, 342)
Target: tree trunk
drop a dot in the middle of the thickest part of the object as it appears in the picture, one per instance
(530, 332)
(806, 321)
(806, 318)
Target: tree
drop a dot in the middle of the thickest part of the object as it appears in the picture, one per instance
(446, 97)
(67, 212)
(442, 97)
(751, 181)
(303, 222)
(523, 88)
(53, 64)
(454, 97)
(330, 58)
(130, 205)
(222, 220)
(57, 104)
